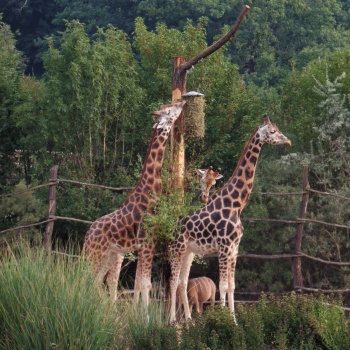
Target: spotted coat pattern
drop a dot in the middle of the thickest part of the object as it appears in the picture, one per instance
(120, 232)
(217, 226)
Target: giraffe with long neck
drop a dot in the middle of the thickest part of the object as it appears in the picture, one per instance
(113, 235)
(217, 226)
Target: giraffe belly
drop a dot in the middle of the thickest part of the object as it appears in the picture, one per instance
(202, 248)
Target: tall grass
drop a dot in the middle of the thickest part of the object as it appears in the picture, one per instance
(52, 302)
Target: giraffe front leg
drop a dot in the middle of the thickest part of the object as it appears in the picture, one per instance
(175, 265)
(113, 276)
(223, 275)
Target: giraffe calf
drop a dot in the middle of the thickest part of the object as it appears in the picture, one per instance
(199, 290)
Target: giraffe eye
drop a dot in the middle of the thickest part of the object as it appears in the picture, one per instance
(273, 131)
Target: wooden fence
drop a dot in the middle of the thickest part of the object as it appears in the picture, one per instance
(296, 256)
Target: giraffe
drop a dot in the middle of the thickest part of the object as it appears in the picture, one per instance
(120, 232)
(217, 226)
(208, 178)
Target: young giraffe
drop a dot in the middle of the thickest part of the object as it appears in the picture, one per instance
(120, 232)
(217, 226)
(208, 180)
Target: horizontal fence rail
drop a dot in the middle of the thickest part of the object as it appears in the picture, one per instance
(299, 222)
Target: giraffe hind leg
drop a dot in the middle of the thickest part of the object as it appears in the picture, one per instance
(113, 276)
(183, 280)
(143, 274)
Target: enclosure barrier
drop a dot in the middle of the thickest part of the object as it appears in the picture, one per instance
(296, 256)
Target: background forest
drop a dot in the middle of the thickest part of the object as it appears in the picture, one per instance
(78, 80)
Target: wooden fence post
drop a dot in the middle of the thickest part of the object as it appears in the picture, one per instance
(52, 208)
(296, 262)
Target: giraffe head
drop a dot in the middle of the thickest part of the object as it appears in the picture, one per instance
(167, 115)
(208, 179)
(269, 133)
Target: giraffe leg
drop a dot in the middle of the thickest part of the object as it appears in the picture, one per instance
(102, 264)
(137, 284)
(231, 284)
(231, 273)
(113, 276)
(183, 280)
(143, 273)
(175, 265)
(223, 275)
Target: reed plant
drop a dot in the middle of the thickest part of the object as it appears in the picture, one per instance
(50, 301)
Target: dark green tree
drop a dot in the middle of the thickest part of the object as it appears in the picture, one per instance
(11, 69)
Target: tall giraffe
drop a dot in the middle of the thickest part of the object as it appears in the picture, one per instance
(120, 232)
(208, 178)
(217, 226)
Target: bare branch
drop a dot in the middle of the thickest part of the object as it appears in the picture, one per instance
(215, 46)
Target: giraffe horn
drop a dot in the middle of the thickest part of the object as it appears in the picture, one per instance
(266, 119)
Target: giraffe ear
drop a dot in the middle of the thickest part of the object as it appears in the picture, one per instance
(200, 172)
(219, 177)
(156, 113)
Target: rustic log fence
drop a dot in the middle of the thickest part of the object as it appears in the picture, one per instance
(296, 256)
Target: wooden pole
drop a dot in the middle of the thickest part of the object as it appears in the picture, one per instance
(52, 208)
(177, 154)
(180, 68)
(296, 262)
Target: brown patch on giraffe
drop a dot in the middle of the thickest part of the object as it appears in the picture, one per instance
(244, 194)
(160, 155)
(226, 213)
(239, 184)
(253, 160)
(248, 173)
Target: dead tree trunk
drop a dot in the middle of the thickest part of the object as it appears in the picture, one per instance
(180, 68)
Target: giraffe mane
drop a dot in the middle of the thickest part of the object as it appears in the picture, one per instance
(238, 163)
(145, 161)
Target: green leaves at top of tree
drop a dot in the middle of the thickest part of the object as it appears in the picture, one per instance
(157, 49)
(11, 69)
(93, 95)
(279, 36)
(316, 104)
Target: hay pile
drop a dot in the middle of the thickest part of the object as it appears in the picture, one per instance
(194, 125)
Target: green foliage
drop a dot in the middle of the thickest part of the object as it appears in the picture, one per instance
(164, 222)
(52, 301)
(287, 322)
(92, 97)
(11, 68)
(276, 38)
(18, 210)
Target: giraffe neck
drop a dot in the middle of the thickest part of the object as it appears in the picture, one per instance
(239, 186)
(151, 177)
